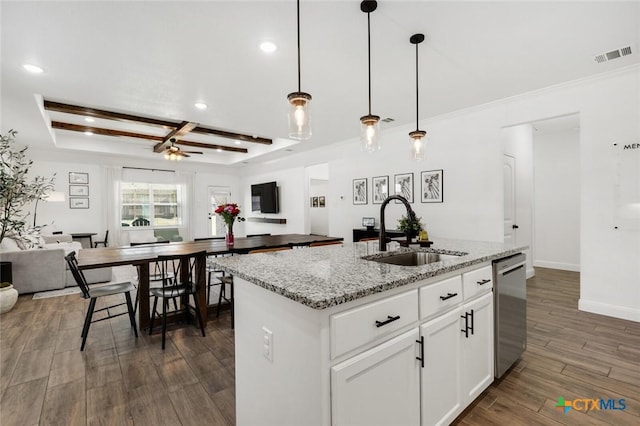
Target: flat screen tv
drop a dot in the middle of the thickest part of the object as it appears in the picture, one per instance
(264, 198)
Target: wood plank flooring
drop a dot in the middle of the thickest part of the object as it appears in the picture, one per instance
(570, 354)
(45, 379)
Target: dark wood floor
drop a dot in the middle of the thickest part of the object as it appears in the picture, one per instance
(45, 379)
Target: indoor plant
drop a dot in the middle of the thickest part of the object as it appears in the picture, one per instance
(410, 227)
(230, 213)
(16, 189)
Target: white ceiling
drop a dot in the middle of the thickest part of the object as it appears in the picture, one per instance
(159, 58)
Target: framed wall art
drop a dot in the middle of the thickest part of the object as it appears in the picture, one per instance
(360, 191)
(431, 186)
(404, 186)
(78, 190)
(314, 201)
(321, 201)
(380, 189)
(78, 203)
(78, 178)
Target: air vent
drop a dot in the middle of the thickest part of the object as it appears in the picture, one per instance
(387, 120)
(614, 54)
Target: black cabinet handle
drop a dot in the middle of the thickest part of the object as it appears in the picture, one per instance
(448, 296)
(465, 330)
(387, 321)
(421, 357)
(471, 314)
(483, 282)
(514, 226)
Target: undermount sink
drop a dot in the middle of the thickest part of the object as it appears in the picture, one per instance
(414, 258)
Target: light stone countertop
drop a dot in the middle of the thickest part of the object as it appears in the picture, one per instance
(321, 277)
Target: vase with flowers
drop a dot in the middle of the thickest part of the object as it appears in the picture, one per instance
(230, 212)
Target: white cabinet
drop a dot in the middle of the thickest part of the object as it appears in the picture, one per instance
(458, 354)
(477, 349)
(426, 375)
(441, 373)
(378, 387)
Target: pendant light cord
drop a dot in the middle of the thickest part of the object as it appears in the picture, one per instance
(417, 91)
(369, 54)
(299, 84)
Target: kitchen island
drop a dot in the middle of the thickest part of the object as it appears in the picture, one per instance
(324, 336)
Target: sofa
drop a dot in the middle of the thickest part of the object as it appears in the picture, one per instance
(42, 267)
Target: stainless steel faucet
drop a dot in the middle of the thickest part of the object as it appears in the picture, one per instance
(383, 233)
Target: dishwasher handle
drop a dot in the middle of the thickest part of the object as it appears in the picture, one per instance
(512, 268)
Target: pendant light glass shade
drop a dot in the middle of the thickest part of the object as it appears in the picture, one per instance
(418, 137)
(299, 116)
(369, 124)
(369, 133)
(418, 144)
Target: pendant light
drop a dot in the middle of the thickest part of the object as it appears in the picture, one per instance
(370, 124)
(299, 119)
(417, 136)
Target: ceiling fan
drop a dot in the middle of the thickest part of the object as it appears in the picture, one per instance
(172, 152)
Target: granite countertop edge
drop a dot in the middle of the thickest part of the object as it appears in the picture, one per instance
(309, 293)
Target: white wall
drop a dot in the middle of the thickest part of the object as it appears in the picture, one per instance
(291, 190)
(58, 216)
(467, 145)
(556, 159)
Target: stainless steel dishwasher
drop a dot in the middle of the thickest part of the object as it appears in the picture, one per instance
(510, 305)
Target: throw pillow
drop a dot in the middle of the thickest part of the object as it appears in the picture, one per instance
(29, 239)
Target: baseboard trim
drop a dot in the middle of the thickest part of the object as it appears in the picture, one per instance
(557, 265)
(609, 310)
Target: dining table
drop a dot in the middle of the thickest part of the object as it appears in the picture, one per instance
(142, 256)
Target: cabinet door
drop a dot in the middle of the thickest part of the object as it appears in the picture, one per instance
(380, 386)
(477, 349)
(441, 373)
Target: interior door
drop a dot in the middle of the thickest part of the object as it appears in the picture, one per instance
(217, 195)
(509, 185)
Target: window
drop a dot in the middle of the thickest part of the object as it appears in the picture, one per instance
(150, 204)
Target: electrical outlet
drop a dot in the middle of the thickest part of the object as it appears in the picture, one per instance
(267, 344)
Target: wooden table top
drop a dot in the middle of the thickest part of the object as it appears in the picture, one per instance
(116, 256)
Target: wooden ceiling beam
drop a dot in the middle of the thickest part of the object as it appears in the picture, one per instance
(104, 132)
(108, 115)
(111, 132)
(118, 116)
(212, 146)
(184, 128)
(232, 135)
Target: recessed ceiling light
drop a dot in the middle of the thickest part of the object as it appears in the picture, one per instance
(268, 47)
(89, 119)
(200, 105)
(238, 142)
(34, 69)
(219, 150)
(88, 133)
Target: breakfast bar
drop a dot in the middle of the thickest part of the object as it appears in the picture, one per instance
(338, 335)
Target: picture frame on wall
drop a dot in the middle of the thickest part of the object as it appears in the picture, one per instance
(380, 189)
(431, 186)
(78, 178)
(314, 201)
(78, 190)
(360, 191)
(78, 203)
(403, 184)
(321, 201)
